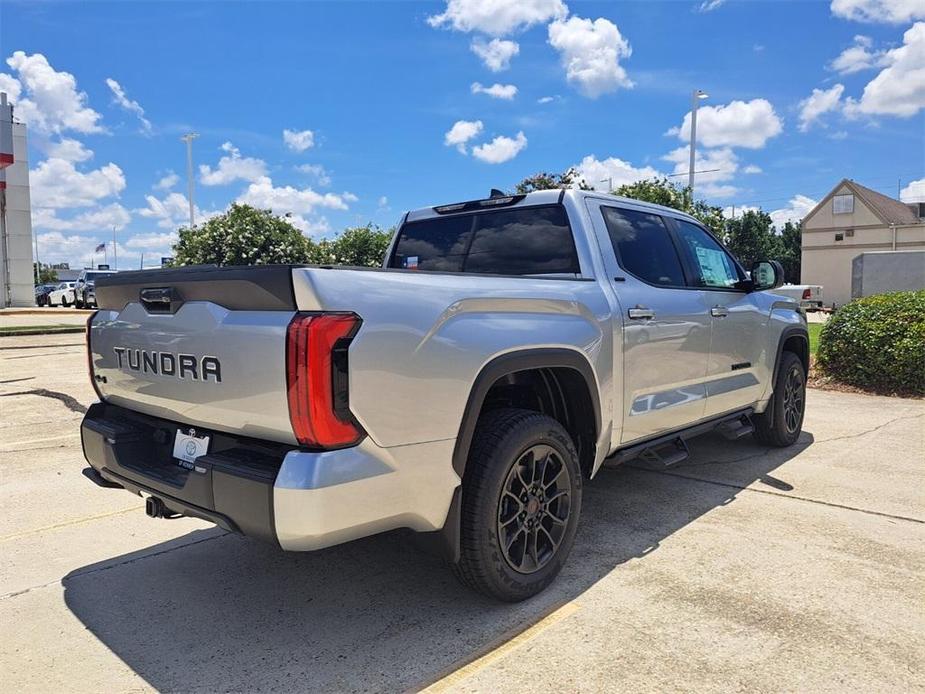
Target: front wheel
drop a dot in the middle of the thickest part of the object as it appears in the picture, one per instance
(64, 302)
(520, 504)
(78, 303)
(780, 425)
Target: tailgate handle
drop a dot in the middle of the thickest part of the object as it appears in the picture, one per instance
(157, 299)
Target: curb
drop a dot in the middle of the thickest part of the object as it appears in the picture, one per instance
(43, 331)
(50, 311)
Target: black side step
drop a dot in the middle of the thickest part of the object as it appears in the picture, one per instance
(667, 454)
(736, 428)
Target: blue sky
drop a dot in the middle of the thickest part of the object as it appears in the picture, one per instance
(396, 105)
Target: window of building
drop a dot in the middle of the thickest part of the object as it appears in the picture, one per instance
(839, 236)
(643, 246)
(843, 204)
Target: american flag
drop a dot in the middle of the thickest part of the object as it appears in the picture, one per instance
(100, 248)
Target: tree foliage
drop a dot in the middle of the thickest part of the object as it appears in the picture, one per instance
(791, 238)
(243, 235)
(47, 275)
(570, 178)
(751, 237)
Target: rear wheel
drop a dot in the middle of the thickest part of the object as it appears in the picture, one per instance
(64, 302)
(78, 303)
(780, 425)
(520, 504)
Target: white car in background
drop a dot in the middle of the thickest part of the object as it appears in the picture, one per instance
(63, 294)
(809, 295)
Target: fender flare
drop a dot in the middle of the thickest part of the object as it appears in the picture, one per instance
(511, 362)
(787, 333)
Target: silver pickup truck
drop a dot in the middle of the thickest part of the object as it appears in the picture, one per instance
(467, 390)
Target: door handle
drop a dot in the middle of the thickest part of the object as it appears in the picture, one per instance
(719, 311)
(640, 312)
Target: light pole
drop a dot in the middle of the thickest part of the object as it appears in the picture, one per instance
(115, 253)
(188, 139)
(609, 180)
(696, 96)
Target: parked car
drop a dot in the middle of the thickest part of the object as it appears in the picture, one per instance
(41, 293)
(84, 289)
(62, 294)
(468, 389)
(809, 295)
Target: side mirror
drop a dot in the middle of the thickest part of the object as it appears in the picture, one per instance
(767, 274)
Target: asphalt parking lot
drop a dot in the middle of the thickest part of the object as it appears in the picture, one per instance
(742, 569)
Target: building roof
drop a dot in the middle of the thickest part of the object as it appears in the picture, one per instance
(888, 210)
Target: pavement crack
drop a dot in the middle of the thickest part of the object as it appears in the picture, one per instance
(820, 502)
(869, 431)
(88, 572)
(70, 402)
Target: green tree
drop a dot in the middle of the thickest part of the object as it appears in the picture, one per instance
(47, 275)
(243, 235)
(570, 178)
(791, 248)
(661, 191)
(362, 246)
(751, 237)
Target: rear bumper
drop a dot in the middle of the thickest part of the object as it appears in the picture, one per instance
(300, 500)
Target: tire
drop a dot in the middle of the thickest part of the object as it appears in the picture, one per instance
(522, 488)
(781, 423)
(64, 302)
(78, 303)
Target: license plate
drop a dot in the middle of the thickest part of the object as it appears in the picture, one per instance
(188, 447)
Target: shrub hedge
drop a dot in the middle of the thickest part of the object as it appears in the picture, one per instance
(877, 343)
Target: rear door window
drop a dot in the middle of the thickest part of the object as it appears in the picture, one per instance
(520, 241)
(643, 246)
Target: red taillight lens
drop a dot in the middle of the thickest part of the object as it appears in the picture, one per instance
(96, 388)
(316, 374)
(806, 293)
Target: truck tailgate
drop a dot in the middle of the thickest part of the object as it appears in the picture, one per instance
(204, 347)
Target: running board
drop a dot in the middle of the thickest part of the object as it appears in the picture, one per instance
(737, 420)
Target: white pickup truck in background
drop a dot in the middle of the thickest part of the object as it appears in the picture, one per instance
(809, 295)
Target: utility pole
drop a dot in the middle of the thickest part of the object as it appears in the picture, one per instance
(696, 96)
(609, 180)
(188, 139)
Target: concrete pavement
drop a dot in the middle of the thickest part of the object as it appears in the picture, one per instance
(743, 569)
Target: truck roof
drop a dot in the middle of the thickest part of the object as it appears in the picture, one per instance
(539, 197)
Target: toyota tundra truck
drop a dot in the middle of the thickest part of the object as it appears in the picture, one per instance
(467, 390)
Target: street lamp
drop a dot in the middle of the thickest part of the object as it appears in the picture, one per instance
(188, 139)
(696, 96)
(609, 180)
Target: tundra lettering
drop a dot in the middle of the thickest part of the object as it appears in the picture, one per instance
(165, 363)
(468, 389)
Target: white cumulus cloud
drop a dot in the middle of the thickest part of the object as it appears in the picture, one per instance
(860, 55)
(69, 150)
(496, 91)
(282, 199)
(461, 132)
(121, 98)
(599, 173)
(232, 167)
(590, 52)
(899, 89)
(798, 207)
(717, 166)
(497, 17)
(57, 183)
(820, 102)
(501, 149)
(172, 211)
(299, 140)
(46, 99)
(882, 11)
(318, 171)
(914, 192)
(100, 218)
(737, 124)
(167, 181)
(496, 54)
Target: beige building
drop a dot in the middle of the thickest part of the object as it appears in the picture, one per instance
(849, 221)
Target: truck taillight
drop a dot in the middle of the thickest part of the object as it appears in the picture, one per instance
(806, 293)
(96, 388)
(316, 376)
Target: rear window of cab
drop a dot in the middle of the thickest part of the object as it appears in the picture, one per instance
(520, 241)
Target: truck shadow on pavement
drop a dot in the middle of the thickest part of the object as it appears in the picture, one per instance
(214, 611)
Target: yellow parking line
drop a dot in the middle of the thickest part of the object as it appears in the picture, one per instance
(503, 650)
(64, 524)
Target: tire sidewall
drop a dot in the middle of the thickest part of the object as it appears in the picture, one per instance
(791, 362)
(538, 431)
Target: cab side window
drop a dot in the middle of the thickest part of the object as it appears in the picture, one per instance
(713, 267)
(643, 246)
